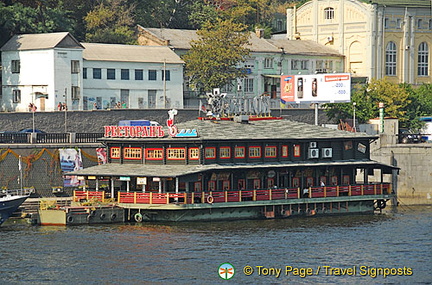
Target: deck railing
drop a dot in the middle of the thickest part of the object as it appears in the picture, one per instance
(237, 195)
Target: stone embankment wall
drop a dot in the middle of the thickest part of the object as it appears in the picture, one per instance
(93, 121)
(415, 163)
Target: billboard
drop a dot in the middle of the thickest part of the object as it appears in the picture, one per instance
(316, 88)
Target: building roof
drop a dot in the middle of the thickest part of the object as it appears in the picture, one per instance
(41, 41)
(303, 47)
(180, 39)
(401, 3)
(168, 170)
(129, 53)
(257, 130)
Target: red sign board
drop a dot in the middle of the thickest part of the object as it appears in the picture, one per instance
(134, 131)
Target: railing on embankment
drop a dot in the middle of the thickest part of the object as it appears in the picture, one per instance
(237, 195)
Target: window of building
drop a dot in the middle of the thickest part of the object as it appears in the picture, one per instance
(134, 153)
(152, 75)
(167, 76)
(97, 73)
(239, 152)
(390, 59)
(254, 151)
(284, 151)
(210, 152)
(419, 23)
(225, 152)
(176, 153)
(212, 185)
(304, 64)
(328, 13)
(111, 73)
(85, 72)
(115, 152)
(193, 153)
(268, 62)
(125, 74)
(386, 23)
(423, 59)
(297, 152)
(75, 66)
(16, 66)
(270, 151)
(154, 153)
(399, 23)
(139, 74)
(75, 92)
(248, 85)
(16, 96)
(294, 64)
(430, 24)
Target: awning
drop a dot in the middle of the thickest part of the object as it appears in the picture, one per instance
(271, 75)
(164, 170)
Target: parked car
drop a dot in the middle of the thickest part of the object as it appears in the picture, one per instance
(31, 131)
(408, 136)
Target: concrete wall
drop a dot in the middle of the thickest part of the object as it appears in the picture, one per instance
(415, 163)
(93, 121)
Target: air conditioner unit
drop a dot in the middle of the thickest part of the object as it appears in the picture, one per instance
(313, 153)
(312, 145)
(327, 152)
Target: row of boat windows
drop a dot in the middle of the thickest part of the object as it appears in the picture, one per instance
(193, 153)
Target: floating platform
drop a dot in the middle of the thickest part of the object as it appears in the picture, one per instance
(81, 215)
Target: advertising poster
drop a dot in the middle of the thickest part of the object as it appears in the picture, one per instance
(101, 155)
(316, 88)
(70, 160)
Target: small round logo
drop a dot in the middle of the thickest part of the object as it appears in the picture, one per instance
(226, 271)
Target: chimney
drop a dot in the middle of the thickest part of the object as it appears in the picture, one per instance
(259, 32)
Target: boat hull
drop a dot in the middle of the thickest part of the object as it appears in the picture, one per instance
(239, 212)
(67, 216)
(8, 205)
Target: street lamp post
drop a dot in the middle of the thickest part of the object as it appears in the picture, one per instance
(354, 116)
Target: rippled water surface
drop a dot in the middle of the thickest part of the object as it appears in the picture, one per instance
(190, 253)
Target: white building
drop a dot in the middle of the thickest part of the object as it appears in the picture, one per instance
(45, 69)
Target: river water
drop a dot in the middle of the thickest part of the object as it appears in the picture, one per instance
(355, 249)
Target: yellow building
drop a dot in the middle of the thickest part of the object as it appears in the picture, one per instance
(379, 38)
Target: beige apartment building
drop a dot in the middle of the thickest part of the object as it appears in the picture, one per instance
(379, 38)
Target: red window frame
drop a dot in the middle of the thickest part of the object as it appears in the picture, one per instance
(153, 158)
(132, 158)
(174, 148)
(309, 181)
(270, 147)
(212, 185)
(118, 151)
(257, 147)
(226, 185)
(297, 150)
(244, 152)
(225, 157)
(210, 157)
(197, 187)
(189, 153)
(284, 151)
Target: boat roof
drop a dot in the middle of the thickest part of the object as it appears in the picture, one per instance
(255, 130)
(168, 170)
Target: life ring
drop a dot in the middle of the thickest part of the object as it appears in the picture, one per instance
(210, 199)
(381, 204)
(69, 219)
(102, 216)
(113, 217)
(138, 217)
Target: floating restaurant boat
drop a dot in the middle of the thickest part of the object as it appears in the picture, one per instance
(10, 200)
(237, 169)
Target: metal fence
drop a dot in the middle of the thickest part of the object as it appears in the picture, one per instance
(49, 138)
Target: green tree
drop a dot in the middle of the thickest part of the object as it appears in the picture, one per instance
(212, 61)
(367, 98)
(21, 19)
(111, 23)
